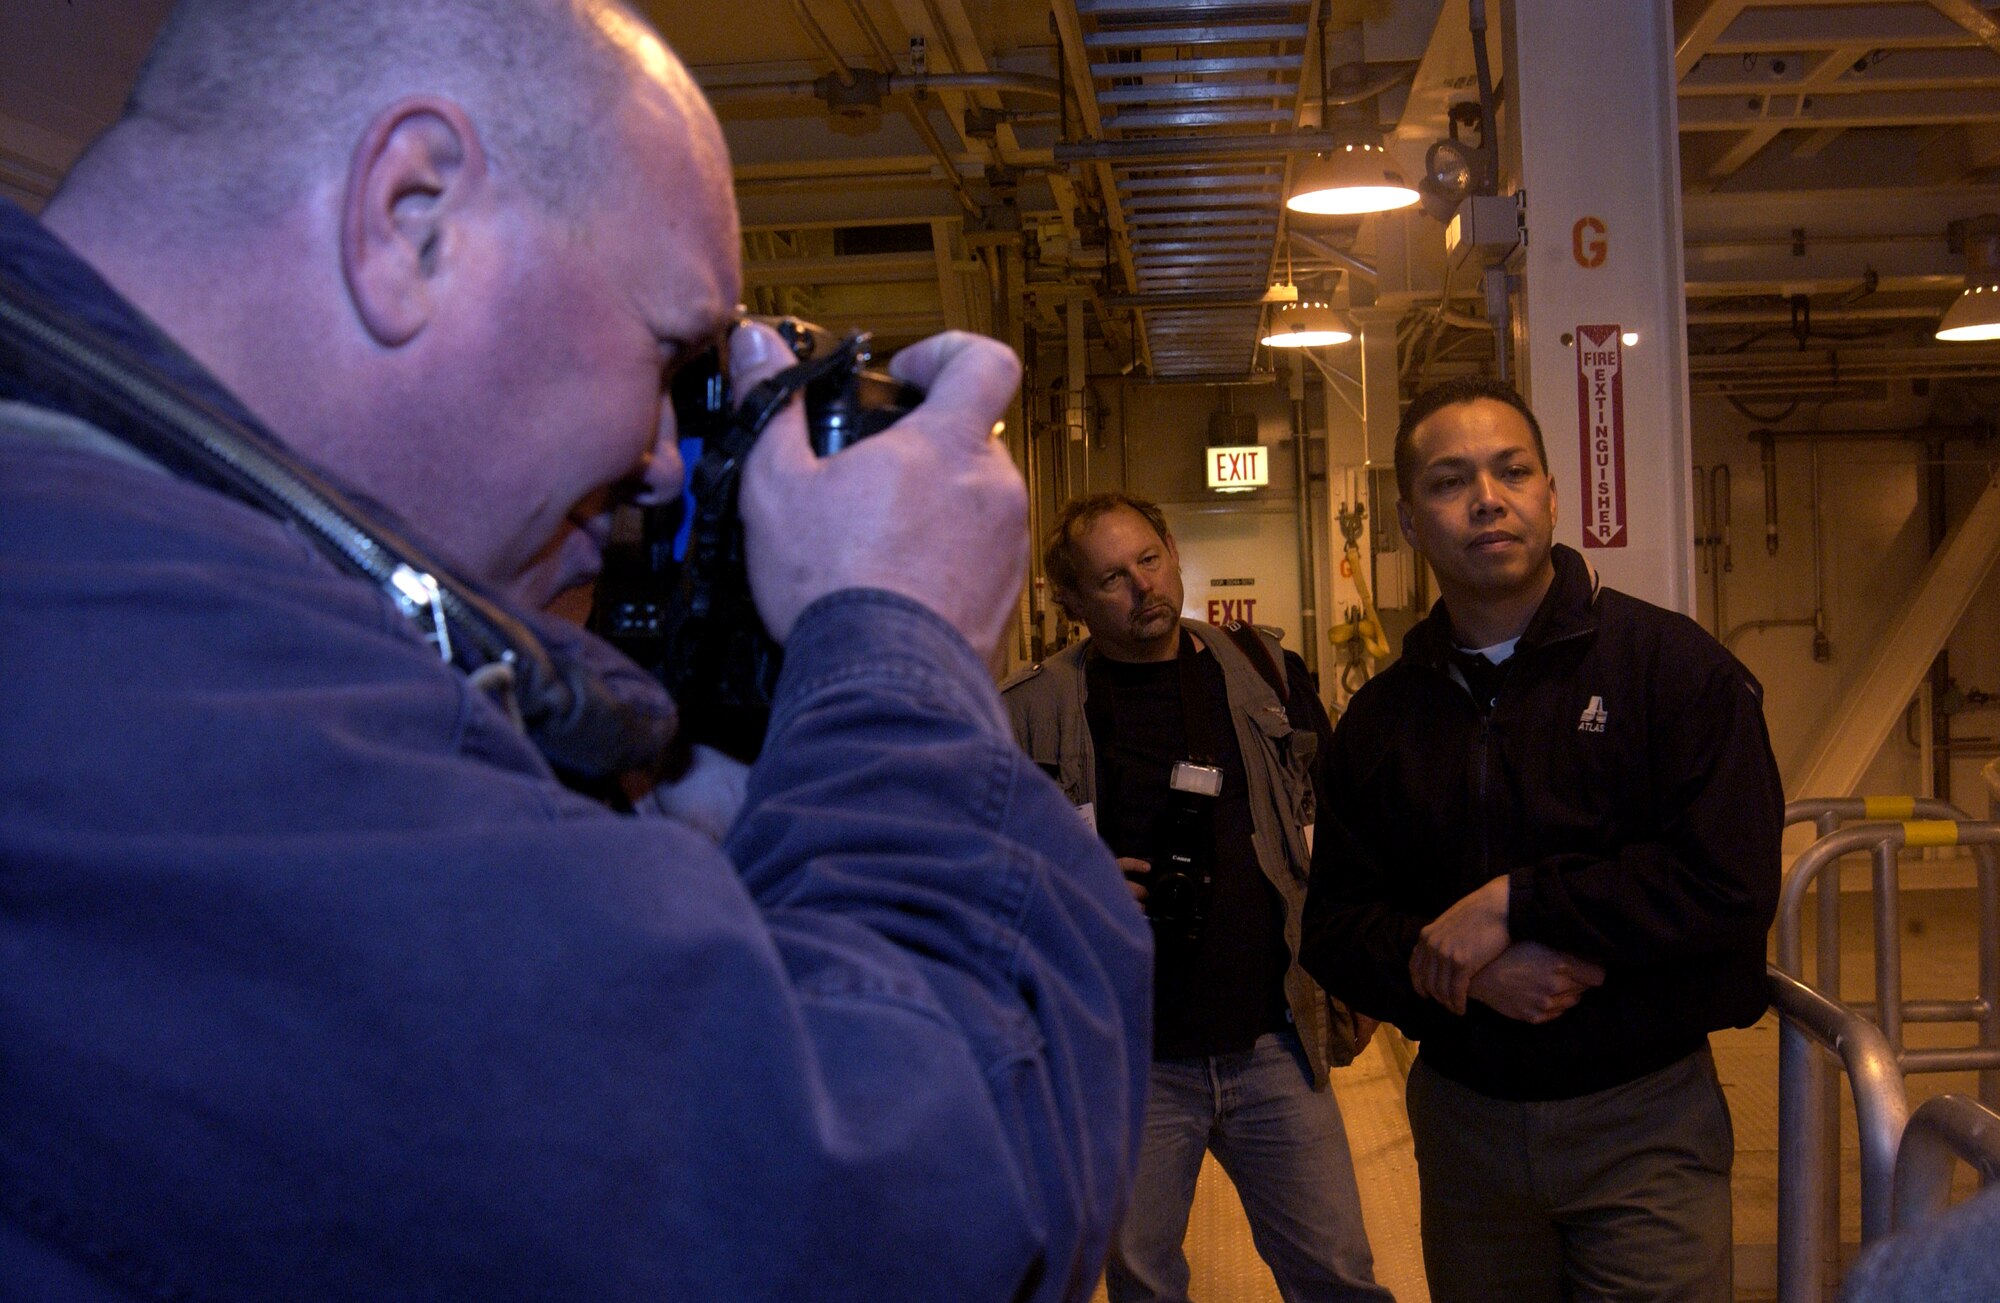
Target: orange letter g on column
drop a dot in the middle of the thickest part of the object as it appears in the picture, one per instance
(1586, 242)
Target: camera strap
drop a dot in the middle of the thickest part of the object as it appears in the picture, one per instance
(771, 395)
(51, 357)
(1195, 713)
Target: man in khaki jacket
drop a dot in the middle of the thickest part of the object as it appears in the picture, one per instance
(1192, 753)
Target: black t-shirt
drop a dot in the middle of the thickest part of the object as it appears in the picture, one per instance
(1219, 995)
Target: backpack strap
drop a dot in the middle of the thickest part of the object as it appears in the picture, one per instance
(1252, 645)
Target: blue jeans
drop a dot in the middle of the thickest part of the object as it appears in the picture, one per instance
(1284, 1146)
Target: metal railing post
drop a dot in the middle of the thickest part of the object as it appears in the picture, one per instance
(1823, 1097)
(1942, 1131)
(1989, 973)
(1876, 1058)
(1880, 1109)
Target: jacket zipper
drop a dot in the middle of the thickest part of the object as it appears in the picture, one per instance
(262, 476)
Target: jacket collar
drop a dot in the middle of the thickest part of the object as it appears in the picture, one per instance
(1568, 610)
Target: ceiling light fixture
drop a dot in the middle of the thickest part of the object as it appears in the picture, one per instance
(1976, 314)
(1348, 180)
(1306, 325)
(1355, 176)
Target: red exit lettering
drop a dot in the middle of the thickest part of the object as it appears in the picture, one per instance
(1223, 610)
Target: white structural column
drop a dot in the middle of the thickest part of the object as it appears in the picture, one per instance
(1589, 133)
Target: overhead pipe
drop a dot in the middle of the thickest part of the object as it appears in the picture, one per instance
(844, 74)
(1320, 248)
(1822, 647)
(1783, 316)
(810, 25)
(1302, 504)
(1822, 650)
(1769, 455)
(1767, 440)
(1720, 560)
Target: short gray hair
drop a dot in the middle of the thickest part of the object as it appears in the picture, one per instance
(241, 101)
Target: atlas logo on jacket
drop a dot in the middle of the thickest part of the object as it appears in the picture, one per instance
(1594, 717)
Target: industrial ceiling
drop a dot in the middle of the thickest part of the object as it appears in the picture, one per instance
(1130, 156)
(1105, 176)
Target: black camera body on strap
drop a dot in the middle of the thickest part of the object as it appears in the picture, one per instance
(674, 594)
(1182, 881)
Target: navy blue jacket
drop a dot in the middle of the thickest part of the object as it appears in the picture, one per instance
(318, 985)
(1623, 780)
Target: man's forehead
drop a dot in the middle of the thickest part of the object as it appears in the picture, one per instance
(1483, 428)
(1119, 525)
(681, 214)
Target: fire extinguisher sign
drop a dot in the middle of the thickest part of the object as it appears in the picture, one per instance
(1600, 399)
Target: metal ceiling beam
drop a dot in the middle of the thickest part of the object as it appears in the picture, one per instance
(1815, 27)
(1698, 24)
(1934, 70)
(1973, 19)
(848, 269)
(1828, 71)
(1863, 109)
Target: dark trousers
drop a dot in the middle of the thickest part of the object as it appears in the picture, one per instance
(1618, 1195)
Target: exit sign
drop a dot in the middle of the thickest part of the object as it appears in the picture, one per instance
(1233, 469)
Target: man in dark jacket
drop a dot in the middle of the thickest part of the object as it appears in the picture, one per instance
(318, 983)
(1550, 854)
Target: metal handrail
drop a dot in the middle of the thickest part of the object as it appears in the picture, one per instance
(1941, 1132)
(1809, 1093)
(1884, 841)
(1809, 1020)
(1828, 814)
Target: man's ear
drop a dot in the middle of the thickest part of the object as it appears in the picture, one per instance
(1408, 524)
(1065, 603)
(409, 191)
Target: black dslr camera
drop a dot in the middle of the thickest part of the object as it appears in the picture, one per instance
(1183, 877)
(674, 594)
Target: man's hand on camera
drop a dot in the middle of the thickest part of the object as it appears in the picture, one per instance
(932, 508)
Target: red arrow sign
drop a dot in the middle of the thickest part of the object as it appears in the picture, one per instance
(1600, 400)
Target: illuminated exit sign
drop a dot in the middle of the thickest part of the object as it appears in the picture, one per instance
(1231, 470)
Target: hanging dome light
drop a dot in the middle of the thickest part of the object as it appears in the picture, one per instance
(1350, 179)
(1306, 325)
(1976, 314)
